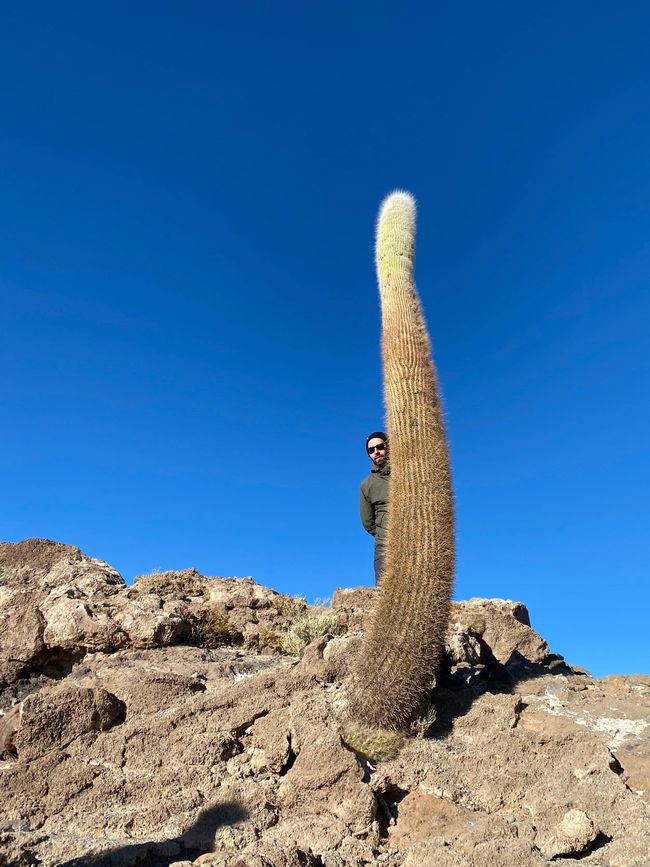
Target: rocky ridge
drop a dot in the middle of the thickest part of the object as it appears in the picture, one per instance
(166, 724)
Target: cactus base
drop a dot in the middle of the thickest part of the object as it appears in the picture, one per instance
(372, 743)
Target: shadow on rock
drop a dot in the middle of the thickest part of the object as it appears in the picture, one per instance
(457, 690)
(195, 841)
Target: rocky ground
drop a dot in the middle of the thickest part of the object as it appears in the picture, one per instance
(167, 724)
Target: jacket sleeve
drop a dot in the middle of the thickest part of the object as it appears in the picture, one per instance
(367, 513)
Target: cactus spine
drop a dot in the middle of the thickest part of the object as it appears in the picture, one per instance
(405, 632)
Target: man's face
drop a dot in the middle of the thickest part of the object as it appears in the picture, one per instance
(378, 451)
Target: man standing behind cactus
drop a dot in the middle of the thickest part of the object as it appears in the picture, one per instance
(374, 496)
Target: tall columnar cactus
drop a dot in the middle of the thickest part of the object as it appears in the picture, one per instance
(405, 632)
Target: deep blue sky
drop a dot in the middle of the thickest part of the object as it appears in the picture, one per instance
(190, 331)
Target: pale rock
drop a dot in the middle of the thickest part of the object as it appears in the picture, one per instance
(462, 646)
(423, 817)
(633, 756)
(9, 725)
(271, 741)
(75, 626)
(507, 630)
(340, 652)
(351, 605)
(42, 581)
(571, 836)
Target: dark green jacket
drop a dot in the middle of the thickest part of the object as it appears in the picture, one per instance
(373, 501)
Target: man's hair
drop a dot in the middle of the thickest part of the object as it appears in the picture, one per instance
(378, 434)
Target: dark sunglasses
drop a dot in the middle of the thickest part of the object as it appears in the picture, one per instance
(372, 449)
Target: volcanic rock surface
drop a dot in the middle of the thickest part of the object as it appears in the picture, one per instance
(165, 724)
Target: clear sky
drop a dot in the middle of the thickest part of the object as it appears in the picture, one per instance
(190, 324)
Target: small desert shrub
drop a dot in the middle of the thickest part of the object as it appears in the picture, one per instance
(172, 585)
(213, 629)
(305, 629)
(289, 607)
(270, 639)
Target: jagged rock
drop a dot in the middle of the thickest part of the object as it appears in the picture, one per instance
(127, 741)
(504, 626)
(53, 718)
(325, 777)
(261, 855)
(57, 604)
(271, 742)
(351, 605)
(423, 817)
(634, 757)
(150, 622)
(9, 725)
(463, 646)
(45, 605)
(616, 706)
(489, 841)
(339, 652)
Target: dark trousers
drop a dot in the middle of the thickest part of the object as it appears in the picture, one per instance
(379, 562)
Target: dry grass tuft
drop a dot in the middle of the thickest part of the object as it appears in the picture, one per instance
(307, 628)
(172, 585)
(289, 607)
(467, 620)
(213, 629)
(270, 639)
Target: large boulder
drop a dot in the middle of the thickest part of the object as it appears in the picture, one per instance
(504, 630)
(55, 604)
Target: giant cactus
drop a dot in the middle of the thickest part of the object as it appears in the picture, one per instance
(404, 636)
